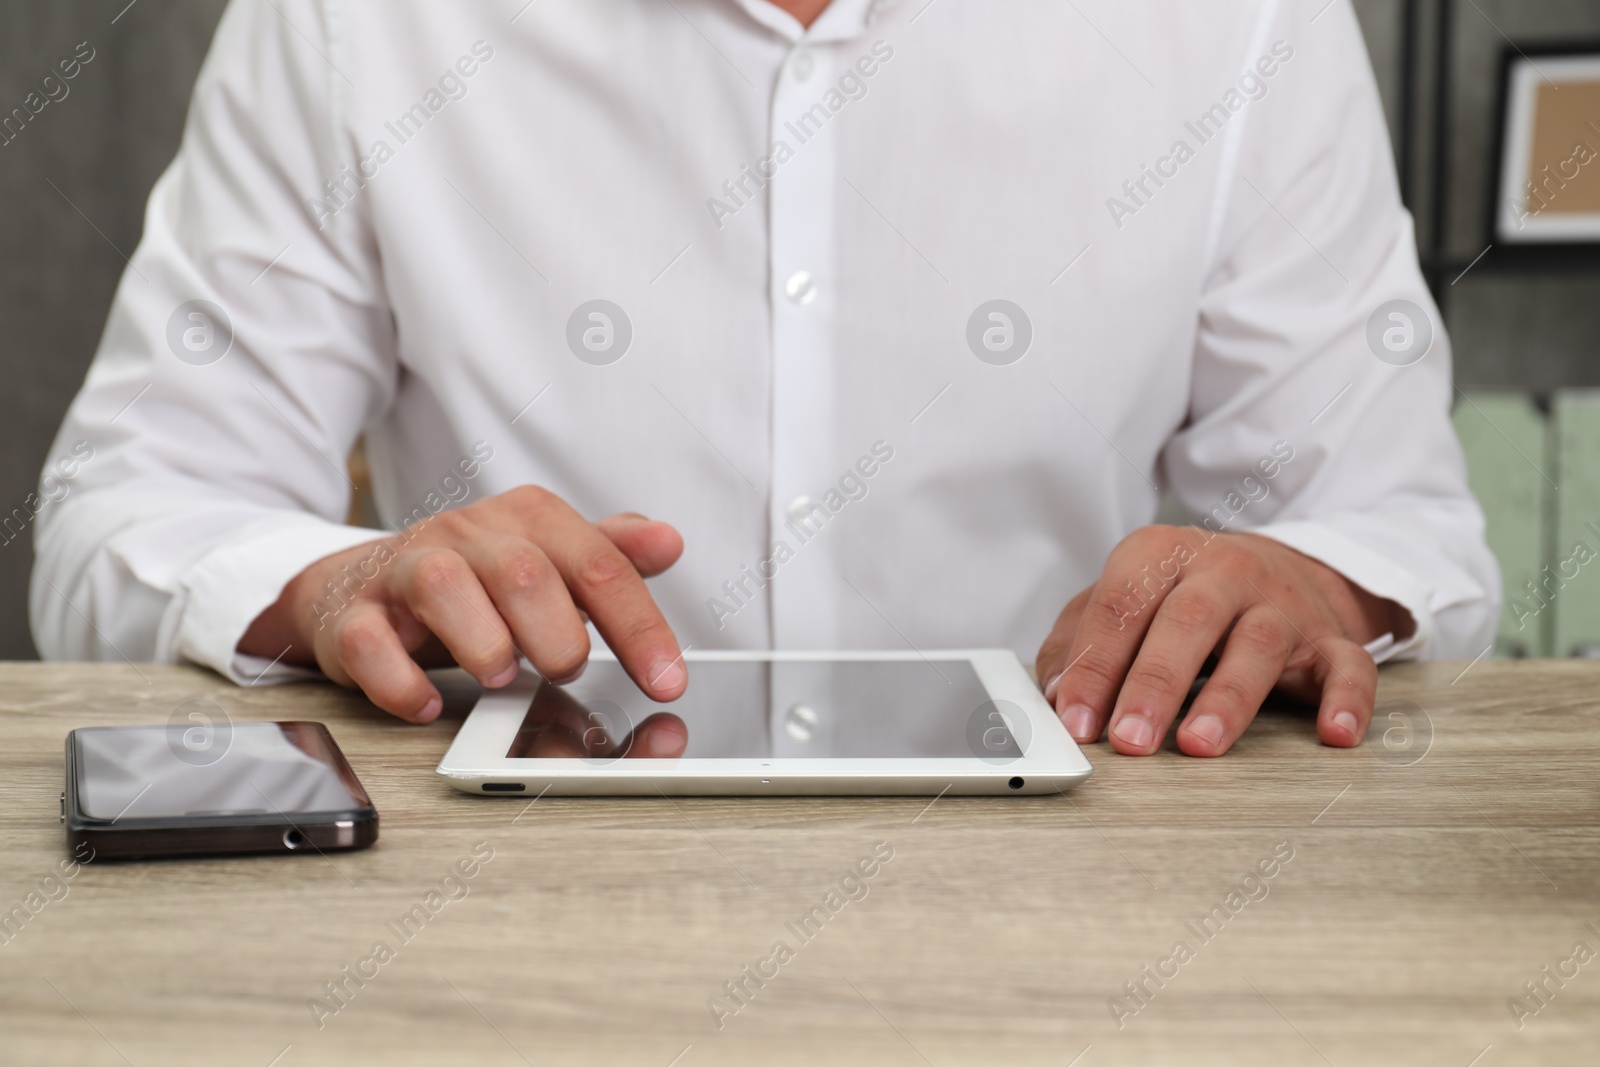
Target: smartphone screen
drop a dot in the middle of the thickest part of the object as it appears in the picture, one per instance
(272, 769)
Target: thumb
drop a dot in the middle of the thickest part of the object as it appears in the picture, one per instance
(1056, 653)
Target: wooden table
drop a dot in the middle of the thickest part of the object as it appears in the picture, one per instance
(1421, 895)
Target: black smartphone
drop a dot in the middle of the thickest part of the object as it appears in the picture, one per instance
(185, 790)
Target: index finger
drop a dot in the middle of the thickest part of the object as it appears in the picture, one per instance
(1139, 575)
(560, 726)
(606, 585)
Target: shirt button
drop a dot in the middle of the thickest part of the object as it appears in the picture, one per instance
(799, 509)
(801, 288)
(802, 64)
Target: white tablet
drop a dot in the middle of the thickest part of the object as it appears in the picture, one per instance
(775, 723)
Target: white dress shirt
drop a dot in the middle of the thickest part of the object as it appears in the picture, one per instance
(401, 213)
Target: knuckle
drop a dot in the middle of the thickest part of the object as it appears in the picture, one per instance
(358, 640)
(455, 523)
(1158, 676)
(1155, 542)
(435, 574)
(1191, 613)
(1114, 606)
(1229, 691)
(1238, 560)
(1262, 638)
(1355, 665)
(528, 498)
(604, 572)
(1306, 657)
(1096, 672)
(1148, 535)
(524, 571)
(485, 647)
(638, 630)
(1050, 653)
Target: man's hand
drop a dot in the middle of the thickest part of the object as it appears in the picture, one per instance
(474, 586)
(1170, 599)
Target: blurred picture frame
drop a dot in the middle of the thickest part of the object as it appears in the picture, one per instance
(1546, 192)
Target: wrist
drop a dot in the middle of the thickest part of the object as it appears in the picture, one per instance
(286, 628)
(274, 630)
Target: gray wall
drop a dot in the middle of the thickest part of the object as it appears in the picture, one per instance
(105, 144)
(102, 147)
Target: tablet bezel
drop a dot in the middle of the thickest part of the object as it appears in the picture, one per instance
(1051, 763)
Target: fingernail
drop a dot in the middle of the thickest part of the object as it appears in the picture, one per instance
(503, 678)
(1050, 686)
(1346, 721)
(666, 676)
(1207, 728)
(1134, 732)
(1079, 719)
(430, 710)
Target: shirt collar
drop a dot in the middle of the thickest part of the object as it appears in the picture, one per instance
(841, 20)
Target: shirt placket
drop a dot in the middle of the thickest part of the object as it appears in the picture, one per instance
(804, 299)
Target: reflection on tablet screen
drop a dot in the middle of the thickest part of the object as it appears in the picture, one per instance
(787, 710)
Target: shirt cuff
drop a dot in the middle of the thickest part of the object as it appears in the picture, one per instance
(222, 594)
(1372, 571)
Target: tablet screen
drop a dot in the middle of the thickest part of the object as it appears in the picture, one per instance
(786, 709)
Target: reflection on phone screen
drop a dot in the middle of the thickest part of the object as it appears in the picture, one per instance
(144, 772)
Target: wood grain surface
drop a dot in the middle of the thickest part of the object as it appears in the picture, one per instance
(1429, 879)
